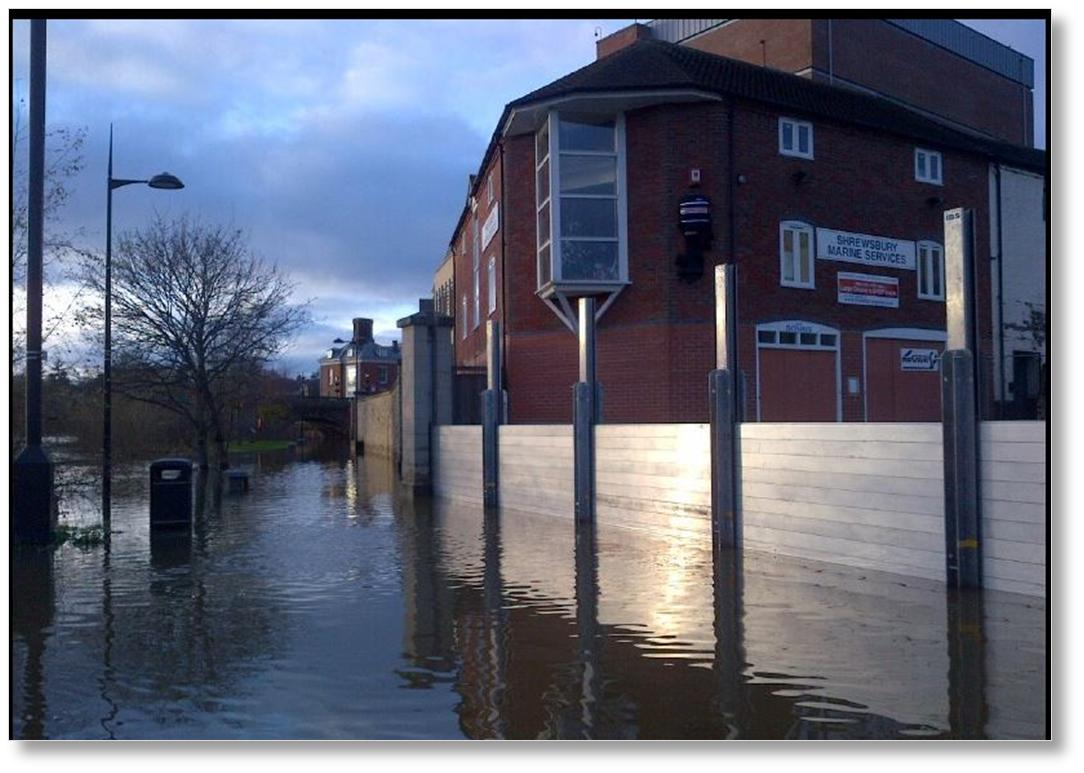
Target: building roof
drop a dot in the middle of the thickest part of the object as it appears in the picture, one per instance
(370, 351)
(658, 65)
(652, 64)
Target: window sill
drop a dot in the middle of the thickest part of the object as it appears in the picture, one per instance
(792, 286)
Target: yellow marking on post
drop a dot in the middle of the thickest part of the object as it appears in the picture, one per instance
(969, 543)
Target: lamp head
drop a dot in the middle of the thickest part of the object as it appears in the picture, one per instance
(165, 181)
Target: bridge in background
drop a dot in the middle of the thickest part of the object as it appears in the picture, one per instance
(331, 414)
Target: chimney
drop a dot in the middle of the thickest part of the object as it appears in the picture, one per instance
(620, 39)
(363, 330)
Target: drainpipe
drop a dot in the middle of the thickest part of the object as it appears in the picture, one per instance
(831, 60)
(731, 236)
(504, 288)
(1000, 292)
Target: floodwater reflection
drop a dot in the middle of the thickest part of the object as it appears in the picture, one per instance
(326, 603)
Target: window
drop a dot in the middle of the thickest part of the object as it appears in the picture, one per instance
(383, 374)
(927, 166)
(463, 316)
(491, 284)
(795, 254)
(795, 138)
(477, 269)
(489, 189)
(931, 271)
(581, 229)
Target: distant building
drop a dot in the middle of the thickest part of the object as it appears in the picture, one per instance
(444, 286)
(359, 362)
(826, 176)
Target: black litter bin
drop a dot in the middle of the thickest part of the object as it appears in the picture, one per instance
(171, 493)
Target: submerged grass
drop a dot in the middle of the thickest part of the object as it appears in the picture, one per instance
(250, 446)
(80, 536)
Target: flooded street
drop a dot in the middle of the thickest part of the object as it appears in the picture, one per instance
(326, 604)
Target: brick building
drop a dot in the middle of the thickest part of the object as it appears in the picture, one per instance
(362, 361)
(828, 199)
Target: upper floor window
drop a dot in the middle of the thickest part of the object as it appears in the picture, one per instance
(795, 138)
(383, 374)
(463, 316)
(795, 254)
(491, 284)
(489, 188)
(928, 166)
(580, 190)
(931, 271)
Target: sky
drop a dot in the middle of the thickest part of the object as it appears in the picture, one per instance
(341, 148)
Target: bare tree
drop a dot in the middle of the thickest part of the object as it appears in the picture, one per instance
(194, 314)
(64, 161)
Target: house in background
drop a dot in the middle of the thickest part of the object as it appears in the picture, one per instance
(360, 362)
(823, 180)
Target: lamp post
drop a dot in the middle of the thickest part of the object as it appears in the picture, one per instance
(162, 181)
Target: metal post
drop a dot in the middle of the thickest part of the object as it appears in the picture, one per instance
(963, 517)
(723, 409)
(491, 414)
(585, 415)
(107, 364)
(34, 515)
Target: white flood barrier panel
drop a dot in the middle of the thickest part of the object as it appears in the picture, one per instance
(1012, 484)
(457, 458)
(865, 495)
(655, 477)
(535, 468)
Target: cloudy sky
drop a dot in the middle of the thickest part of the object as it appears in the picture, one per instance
(341, 148)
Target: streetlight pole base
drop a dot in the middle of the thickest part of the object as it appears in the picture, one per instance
(33, 514)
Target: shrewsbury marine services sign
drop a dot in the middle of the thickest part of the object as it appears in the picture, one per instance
(869, 250)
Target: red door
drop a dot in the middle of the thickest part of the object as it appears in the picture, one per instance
(903, 380)
(797, 385)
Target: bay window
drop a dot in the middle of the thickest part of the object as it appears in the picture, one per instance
(580, 202)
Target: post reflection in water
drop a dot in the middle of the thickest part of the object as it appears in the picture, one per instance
(328, 603)
(32, 573)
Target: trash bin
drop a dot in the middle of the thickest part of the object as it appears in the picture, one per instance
(171, 493)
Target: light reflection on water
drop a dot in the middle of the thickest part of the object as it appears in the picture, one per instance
(325, 603)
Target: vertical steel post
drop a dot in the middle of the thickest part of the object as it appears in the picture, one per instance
(723, 408)
(107, 360)
(34, 517)
(492, 408)
(585, 415)
(959, 390)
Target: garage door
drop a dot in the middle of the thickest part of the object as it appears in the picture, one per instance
(797, 371)
(903, 379)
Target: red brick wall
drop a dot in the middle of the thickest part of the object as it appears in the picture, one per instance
(879, 56)
(656, 342)
(470, 352)
(370, 369)
(788, 43)
(885, 58)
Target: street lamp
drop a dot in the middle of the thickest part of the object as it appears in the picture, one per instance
(163, 181)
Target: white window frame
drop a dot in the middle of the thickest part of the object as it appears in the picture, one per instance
(798, 227)
(924, 258)
(491, 282)
(463, 329)
(796, 126)
(554, 201)
(489, 188)
(926, 176)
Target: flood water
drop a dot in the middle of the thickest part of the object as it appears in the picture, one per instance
(325, 603)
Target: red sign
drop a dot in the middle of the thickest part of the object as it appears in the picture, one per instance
(868, 290)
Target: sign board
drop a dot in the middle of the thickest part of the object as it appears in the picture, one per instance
(493, 222)
(869, 250)
(868, 290)
(919, 359)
